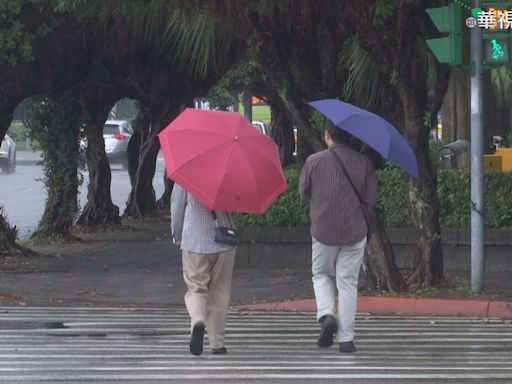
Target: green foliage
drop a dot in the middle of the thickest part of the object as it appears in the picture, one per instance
(54, 122)
(15, 40)
(18, 131)
(248, 74)
(509, 139)
(434, 148)
(393, 192)
(383, 10)
(287, 210)
(454, 193)
(125, 109)
(20, 33)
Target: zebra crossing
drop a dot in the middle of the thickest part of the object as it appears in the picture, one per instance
(142, 345)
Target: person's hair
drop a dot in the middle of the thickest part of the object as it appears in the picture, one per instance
(338, 135)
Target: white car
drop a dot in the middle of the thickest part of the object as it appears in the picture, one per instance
(117, 134)
(8, 155)
(262, 127)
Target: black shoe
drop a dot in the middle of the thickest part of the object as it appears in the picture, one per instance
(196, 339)
(219, 351)
(329, 328)
(347, 347)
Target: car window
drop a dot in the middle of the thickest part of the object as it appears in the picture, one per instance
(127, 128)
(110, 129)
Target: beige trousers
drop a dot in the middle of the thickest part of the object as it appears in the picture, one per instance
(208, 279)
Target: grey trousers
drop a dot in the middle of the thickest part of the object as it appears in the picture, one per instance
(337, 267)
(208, 280)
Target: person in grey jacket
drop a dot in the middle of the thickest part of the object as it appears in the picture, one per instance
(207, 268)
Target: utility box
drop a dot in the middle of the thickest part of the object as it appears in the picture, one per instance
(492, 163)
(456, 155)
(500, 161)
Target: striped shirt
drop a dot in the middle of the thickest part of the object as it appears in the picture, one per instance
(336, 216)
(192, 223)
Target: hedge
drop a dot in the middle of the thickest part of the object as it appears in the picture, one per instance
(454, 191)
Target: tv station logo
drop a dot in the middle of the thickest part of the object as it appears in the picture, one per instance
(493, 19)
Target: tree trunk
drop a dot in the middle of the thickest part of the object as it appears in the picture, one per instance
(99, 209)
(56, 125)
(142, 199)
(496, 115)
(379, 264)
(456, 107)
(247, 103)
(463, 113)
(296, 107)
(282, 130)
(449, 112)
(424, 205)
(164, 203)
(133, 153)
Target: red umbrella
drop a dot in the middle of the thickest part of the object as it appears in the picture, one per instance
(222, 160)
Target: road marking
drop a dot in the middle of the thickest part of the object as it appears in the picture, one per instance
(149, 345)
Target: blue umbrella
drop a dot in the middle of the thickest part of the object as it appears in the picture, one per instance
(372, 130)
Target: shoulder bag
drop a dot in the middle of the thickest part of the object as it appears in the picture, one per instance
(226, 235)
(364, 208)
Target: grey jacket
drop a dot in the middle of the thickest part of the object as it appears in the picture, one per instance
(192, 223)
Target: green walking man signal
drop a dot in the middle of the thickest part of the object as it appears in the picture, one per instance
(496, 50)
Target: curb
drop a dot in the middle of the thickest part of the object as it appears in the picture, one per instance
(404, 306)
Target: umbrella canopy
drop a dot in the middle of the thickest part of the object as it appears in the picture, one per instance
(371, 129)
(222, 160)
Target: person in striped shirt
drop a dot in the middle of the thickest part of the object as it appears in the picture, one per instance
(207, 268)
(339, 232)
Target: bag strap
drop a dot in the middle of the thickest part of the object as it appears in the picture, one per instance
(338, 159)
(214, 215)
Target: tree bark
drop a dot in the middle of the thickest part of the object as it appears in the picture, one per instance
(297, 107)
(164, 202)
(424, 205)
(462, 105)
(142, 199)
(282, 130)
(379, 264)
(247, 103)
(99, 209)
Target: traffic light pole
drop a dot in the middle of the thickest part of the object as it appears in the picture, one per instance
(477, 173)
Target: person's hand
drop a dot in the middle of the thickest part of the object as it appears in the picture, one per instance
(177, 241)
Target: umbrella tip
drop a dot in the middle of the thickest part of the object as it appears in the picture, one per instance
(236, 138)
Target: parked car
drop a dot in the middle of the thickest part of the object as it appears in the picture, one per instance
(262, 127)
(117, 134)
(8, 155)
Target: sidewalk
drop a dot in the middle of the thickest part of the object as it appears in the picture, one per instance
(138, 266)
(417, 306)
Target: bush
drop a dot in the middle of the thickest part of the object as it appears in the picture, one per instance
(454, 193)
(287, 210)
(453, 188)
(18, 132)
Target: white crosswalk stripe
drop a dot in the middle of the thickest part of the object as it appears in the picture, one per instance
(141, 345)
